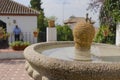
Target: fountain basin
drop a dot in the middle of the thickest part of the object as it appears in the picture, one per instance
(43, 67)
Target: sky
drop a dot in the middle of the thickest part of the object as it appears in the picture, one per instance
(63, 9)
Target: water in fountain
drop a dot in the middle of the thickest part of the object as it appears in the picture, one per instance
(98, 53)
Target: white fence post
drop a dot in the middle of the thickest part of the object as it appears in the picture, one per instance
(118, 34)
(51, 34)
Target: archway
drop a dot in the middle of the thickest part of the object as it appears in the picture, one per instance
(3, 42)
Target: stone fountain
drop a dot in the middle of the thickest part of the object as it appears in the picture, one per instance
(89, 61)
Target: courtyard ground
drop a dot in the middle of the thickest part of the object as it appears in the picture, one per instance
(13, 69)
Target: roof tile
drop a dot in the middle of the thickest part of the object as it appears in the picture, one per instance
(11, 7)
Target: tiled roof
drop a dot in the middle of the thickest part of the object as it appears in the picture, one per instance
(10, 7)
(74, 20)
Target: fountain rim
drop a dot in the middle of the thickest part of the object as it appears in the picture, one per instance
(38, 59)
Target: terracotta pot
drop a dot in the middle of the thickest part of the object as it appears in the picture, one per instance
(1, 35)
(35, 33)
(16, 48)
(23, 47)
(105, 32)
(51, 23)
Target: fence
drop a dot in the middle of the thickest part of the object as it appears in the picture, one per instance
(25, 36)
(28, 36)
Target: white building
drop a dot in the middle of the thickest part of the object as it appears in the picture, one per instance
(13, 13)
(71, 22)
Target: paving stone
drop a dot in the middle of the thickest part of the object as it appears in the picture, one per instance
(13, 70)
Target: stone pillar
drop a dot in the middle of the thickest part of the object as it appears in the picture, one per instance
(118, 34)
(51, 34)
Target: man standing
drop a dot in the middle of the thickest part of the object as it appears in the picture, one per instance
(17, 32)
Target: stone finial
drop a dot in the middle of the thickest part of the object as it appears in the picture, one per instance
(87, 19)
(83, 35)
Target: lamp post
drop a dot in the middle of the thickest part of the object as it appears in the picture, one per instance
(63, 10)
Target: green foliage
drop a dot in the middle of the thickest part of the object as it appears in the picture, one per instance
(19, 45)
(36, 4)
(109, 16)
(116, 15)
(104, 35)
(42, 23)
(3, 34)
(64, 33)
(110, 12)
(52, 18)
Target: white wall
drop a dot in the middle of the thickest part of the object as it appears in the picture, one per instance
(71, 25)
(27, 24)
(118, 34)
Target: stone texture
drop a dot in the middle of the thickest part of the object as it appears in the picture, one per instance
(55, 69)
(13, 69)
(83, 35)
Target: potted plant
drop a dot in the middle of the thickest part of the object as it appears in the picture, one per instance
(3, 34)
(19, 45)
(35, 32)
(51, 21)
(24, 45)
(3, 38)
(105, 31)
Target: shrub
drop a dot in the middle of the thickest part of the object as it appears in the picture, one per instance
(64, 33)
(3, 34)
(19, 45)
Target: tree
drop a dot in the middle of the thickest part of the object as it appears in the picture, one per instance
(64, 33)
(36, 4)
(109, 16)
(95, 4)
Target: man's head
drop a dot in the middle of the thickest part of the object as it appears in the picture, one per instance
(16, 26)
